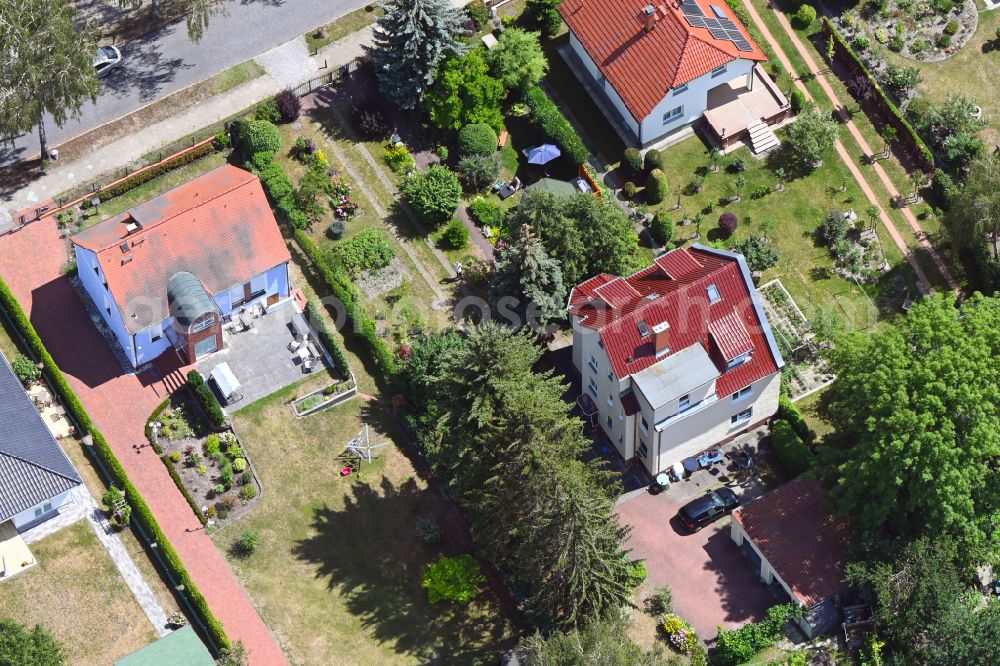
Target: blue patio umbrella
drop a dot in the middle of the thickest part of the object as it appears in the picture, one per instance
(543, 154)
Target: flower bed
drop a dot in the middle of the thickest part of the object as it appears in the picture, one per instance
(210, 468)
(805, 369)
(325, 397)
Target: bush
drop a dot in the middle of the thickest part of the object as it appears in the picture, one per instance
(487, 212)
(328, 341)
(629, 190)
(112, 497)
(442, 153)
(951, 28)
(833, 228)
(336, 229)
(633, 159)
(861, 43)
(452, 578)
(289, 105)
(739, 164)
(637, 573)
(555, 125)
(434, 194)
(679, 633)
(203, 392)
(428, 530)
(944, 41)
(254, 136)
(477, 139)
(654, 160)
(245, 478)
(268, 111)
(175, 457)
(222, 140)
(240, 465)
(728, 223)
(478, 171)
(455, 235)
(659, 602)
(478, 14)
(369, 249)
(759, 254)
(797, 100)
(662, 228)
(260, 161)
(146, 175)
(943, 6)
(115, 472)
(789, 448)
(789, 412)
(399, 158)
(276, 182)
(246, 544)
(740, 645)
(656, 186)
(805, 16)
(247, 493)
(896, 44)
(370, 121)
(25, 370)
(288, 212)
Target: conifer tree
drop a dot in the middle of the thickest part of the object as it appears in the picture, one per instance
(411, 39)
(532, 278)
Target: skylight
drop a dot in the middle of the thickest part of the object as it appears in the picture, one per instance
(643, 329)
(713, 294)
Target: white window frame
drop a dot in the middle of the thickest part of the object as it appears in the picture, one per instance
(719, 71)
(673, 114)
(684, 403)
(741, 417)
(202, 324)
(742, 393)
(42, 509)
(739, 360)
(714, 296)
(611, 400)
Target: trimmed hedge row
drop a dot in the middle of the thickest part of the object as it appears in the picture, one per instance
(202, 391)
(555, 125)
(789, 412)
(336, 353)
(141, 177)
(170, 468)
(141, 512)
(906, 133)
(791, 451)
(149, 426)
(343, 288)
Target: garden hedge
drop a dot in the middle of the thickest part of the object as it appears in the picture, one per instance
(149, 426)
(343, 288)
(141, 513)
(202, 391)
(791, 451)
(140, 177)
(789, 412)
(340, 362)
(170, 468)
(906, 134)
(555, 125)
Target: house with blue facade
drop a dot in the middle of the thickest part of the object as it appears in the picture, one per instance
(168, 273)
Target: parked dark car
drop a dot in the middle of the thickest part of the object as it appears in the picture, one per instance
(713, 504)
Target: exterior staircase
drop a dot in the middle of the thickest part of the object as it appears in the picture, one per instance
(762, 138)
(169, 370)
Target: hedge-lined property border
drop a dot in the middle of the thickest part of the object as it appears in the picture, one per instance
(555, 125)
(890, 112)
(142, 515)
(342, 288)
(336, 353)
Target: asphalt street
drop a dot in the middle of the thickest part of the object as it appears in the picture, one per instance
(166, 60)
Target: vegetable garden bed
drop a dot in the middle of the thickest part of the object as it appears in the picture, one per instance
(325, 397)
(805, 369)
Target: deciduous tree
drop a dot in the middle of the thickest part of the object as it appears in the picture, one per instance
(22, 647)
(810, 137)
(196, 12)
(974, 217)
(517, 60)
(760, 255)
(46, 66)
(434, 194)
(411, 39)
(464, 92)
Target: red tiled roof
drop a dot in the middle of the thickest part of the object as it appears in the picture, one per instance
(730, 336)
(684, 304)
(616, 293)
(218, 227)
(644, 66)
(804, 545)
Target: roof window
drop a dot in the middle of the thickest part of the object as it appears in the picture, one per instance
(643, 328)
(713, 294)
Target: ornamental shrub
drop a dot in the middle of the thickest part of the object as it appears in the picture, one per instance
(268, 110)
(289, 105)
(789, 412)
(478, 171)
(728, 223)
(212, 445)
(25, 369)
(369, 249)
(247, 493)
(555, 125)
(486, 212)
(633, 158)
(629, 189)
(740, 645)
(679, 634)
(653, 160)
(247, 543)
(789, 448)
(276, 182)
(896, 44)
(659, 602)
(260, 161)
(453, 579)
(399, 158)
(253, 136)
(637, 572)
(944, 41)
(340, 362)
(951, 28)
(477, 139)
(805, 16)
(662, 228)
(240, 465)
(336, 229)
(175, 457)
(455, 236)
(797, 100)
(208, 401)
(656, 186)
(434, 194)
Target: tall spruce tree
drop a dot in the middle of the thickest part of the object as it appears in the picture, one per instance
(46, 66)
(411, 39)
(527, 287)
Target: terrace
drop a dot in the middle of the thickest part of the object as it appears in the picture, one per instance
(733, 108)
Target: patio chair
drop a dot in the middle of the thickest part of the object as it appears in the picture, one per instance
(294, 345)
(307, 365)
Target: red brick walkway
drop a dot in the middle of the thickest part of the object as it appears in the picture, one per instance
(711, 582)
(31, 261)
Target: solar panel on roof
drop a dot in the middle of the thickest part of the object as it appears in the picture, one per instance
(734, 34)
(743, 45)
(727, 24)
(718, 11)
(719, 33)
(696, 21)
(692, 10)
(711, 23)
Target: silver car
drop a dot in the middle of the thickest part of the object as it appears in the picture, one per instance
(107, 60)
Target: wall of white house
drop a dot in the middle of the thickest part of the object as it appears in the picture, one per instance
(92, 277)
(39, 512)
(691, 100)
(609, 92)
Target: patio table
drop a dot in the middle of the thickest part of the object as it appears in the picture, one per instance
(303, 352)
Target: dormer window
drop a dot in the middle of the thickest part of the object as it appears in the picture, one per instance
(739, 360)
(713, 294)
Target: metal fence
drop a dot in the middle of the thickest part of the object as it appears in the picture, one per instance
(335, 75)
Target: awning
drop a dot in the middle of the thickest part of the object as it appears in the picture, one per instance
(224, 378)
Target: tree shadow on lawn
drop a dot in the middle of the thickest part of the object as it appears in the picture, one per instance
(370, 555)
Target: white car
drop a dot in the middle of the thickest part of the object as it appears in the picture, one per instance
(106, 60)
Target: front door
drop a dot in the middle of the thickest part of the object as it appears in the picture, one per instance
(206, 346)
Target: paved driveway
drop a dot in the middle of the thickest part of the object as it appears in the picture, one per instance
(711, 582)
(31, 262)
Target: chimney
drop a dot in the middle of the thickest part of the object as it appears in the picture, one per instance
(661, 338)
(650, 17)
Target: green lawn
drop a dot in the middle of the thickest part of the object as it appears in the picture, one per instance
(342, 27)
(337, 573)
(76, 592)
(236, 75)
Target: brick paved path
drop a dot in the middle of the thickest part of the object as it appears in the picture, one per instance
(31, 261)
(846, 157)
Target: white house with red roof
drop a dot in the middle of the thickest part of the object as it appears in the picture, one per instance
(168, 272)
(678, 357)
(657, 68)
